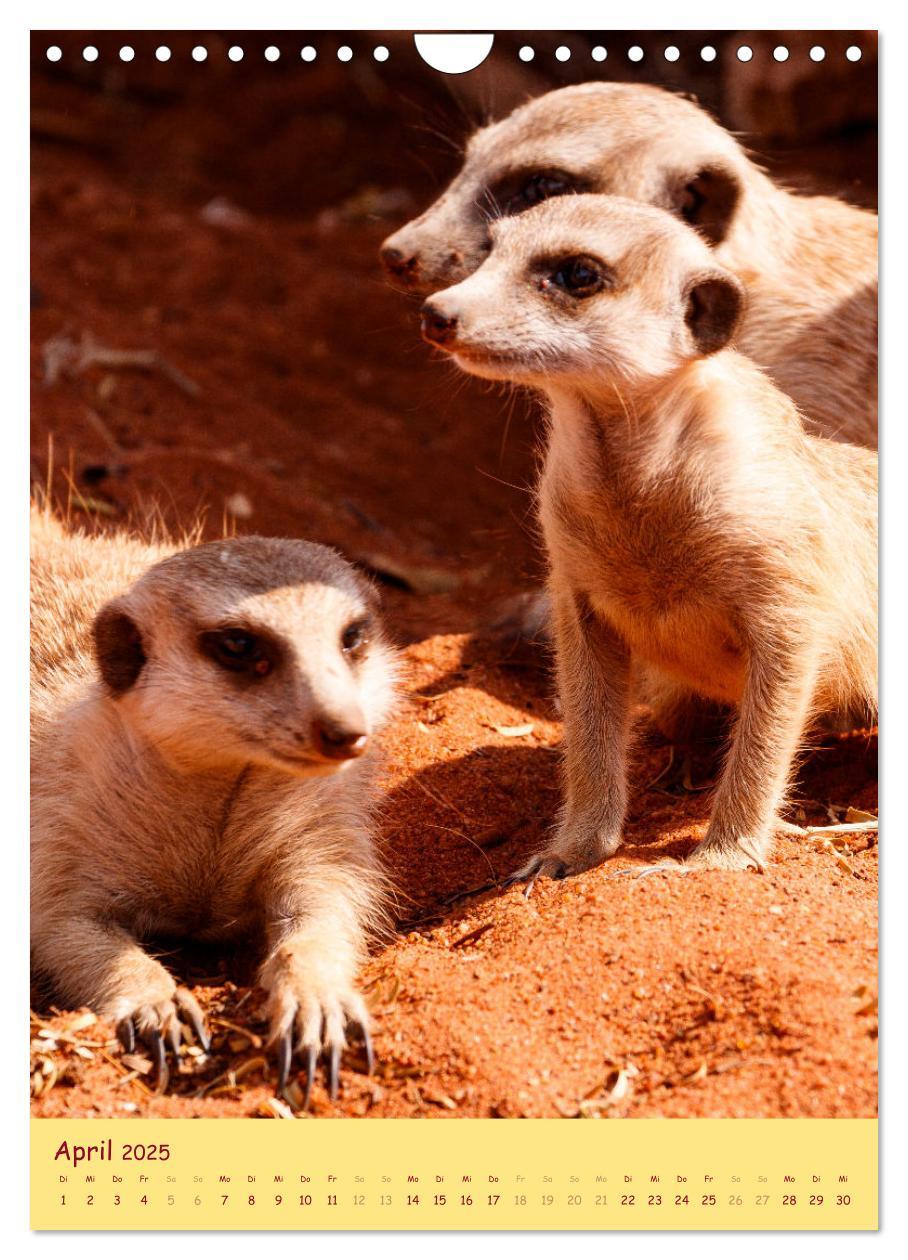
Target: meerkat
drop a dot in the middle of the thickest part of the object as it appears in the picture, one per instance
(204, 731)
(696, 533)
(809, 263)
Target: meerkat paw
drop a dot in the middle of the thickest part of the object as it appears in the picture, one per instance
(657, 868)
(310, 1017)
(525, 616)
(157, 1020)
(542, 864)
(566, 856)
(743, 854)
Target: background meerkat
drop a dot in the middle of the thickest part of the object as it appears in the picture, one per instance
(694, 530)
(809, 263)
(202, 767)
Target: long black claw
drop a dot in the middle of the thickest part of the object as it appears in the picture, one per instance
(284, 1055)
(333, 1072)
(356, 1029)
(311, 1060)
(127, 1035)
(159, 1051)
(201, 1032)
(530, 871)
(370, 1053)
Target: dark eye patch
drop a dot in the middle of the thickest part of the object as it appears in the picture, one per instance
(241, 650)
(518, 192)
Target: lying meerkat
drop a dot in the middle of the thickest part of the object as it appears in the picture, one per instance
(809, 263)
(695, 532)
(204, 724)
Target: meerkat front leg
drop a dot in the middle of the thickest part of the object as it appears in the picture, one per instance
(593, 671)
(315, 945)
(94, 962)
(774, 710)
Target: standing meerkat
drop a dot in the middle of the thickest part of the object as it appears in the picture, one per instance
(809, 264)
(695, 532)
(203, 763)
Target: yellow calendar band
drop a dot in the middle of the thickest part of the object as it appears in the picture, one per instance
(454, 1174)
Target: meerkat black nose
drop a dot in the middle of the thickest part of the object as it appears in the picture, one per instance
(437, 328)
(338, 742)
(399, 264)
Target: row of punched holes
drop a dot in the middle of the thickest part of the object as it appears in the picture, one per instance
(526, 53)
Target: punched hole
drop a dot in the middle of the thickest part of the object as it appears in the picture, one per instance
(453, 54)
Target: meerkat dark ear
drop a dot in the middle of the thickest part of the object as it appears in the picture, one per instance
(708, 201)
(713, 302)
(118, 648)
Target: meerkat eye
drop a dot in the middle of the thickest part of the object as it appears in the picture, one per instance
(355, 639)
(237, 650)
(538, 188)
(581, 277)
(518, 193)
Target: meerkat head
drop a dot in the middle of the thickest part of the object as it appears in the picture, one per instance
(622, 139)
(250, 650)
(587, 290)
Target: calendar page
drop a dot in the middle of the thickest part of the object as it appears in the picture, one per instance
(454, 630)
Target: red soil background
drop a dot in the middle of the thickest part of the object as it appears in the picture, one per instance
(227, 218)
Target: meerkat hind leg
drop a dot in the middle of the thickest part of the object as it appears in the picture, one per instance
(527, 616)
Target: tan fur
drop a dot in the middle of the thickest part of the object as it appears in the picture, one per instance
(809, 263)
(695, 533)
(192, 801)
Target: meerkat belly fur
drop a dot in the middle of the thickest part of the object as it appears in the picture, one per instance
(696, 534)
(809, 263)
(204, 725)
